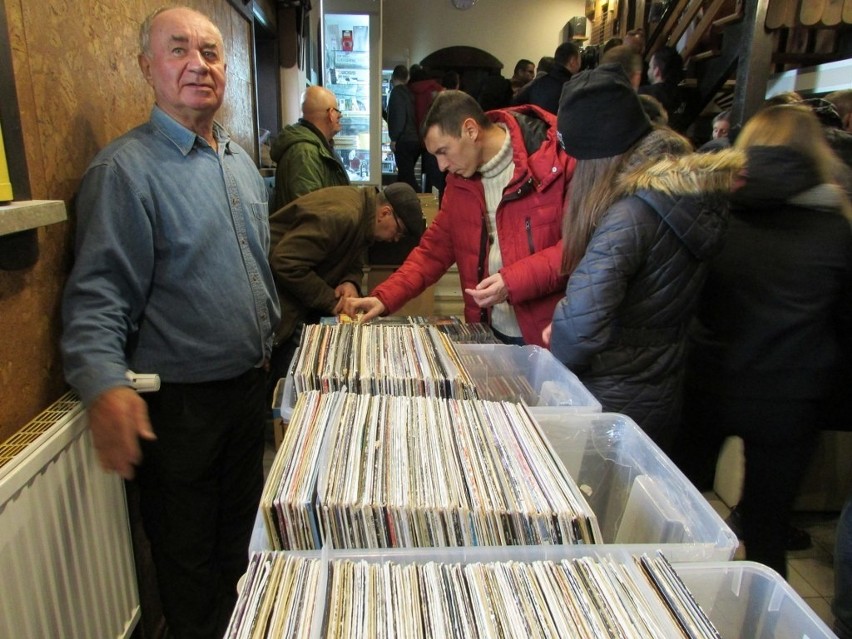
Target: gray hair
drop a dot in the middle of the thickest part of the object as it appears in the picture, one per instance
(145, 27)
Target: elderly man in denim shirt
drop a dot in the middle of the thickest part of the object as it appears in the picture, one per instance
(172, 278)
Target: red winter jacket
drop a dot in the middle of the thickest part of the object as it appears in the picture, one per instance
(529, 222)
(424, 92)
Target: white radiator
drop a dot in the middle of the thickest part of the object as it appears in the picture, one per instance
(66, 559)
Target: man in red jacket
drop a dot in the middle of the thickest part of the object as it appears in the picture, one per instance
(500, 219)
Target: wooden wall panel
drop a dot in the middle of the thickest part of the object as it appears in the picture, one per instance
(79, 86)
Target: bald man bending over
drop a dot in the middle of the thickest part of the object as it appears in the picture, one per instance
(303, 151)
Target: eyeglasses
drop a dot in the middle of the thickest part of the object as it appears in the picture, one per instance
(400, 229)
(335, 109)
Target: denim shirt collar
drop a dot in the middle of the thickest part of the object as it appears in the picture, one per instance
(183, 138)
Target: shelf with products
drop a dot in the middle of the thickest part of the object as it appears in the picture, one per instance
(349, 58)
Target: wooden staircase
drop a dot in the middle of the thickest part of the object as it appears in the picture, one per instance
(731, 47)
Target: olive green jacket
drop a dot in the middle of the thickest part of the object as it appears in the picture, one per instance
(305, 162)
(318, 242)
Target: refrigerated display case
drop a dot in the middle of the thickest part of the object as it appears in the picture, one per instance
(388, 159)
(351, 70)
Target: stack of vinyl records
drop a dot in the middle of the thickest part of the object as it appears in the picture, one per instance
(452, 326)
(590, 597)
(459, 331)
(380, 359)
(365, 471)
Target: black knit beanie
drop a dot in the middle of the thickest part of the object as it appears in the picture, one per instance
(600, 114)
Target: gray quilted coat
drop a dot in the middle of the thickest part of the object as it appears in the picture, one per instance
(621, 326)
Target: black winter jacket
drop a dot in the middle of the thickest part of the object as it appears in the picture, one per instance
(775, 316)
(545, 91)
(622, 324)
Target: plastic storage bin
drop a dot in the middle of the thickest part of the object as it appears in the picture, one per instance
(525, 373)
(503, 373)
(642, 501)
(743, 599)
(746, 599)
(650, 600)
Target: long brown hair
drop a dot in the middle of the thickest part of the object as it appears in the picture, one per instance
(597, 184)
(590, 194)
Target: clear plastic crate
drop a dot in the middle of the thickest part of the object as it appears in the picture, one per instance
(525, 373)
(501, 373)
(743, 600)
(489, 554)
(641, 499)
(747, 599)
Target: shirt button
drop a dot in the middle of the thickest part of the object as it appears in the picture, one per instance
(553, 170)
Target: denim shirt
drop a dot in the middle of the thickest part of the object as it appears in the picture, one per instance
(171, 274)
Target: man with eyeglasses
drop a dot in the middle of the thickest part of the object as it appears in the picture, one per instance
(318, 249)
(304, 152)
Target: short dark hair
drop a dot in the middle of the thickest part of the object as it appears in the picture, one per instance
(450, 80)
(669, 63)
(565, 52)
(545, 64)
(450, 109)
(417, 73)
(400, 72)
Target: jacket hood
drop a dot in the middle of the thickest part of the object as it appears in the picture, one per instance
(300, 133)
(689, 192)
(534, 145)
(774, 175)
(822, 197)
(425, 86)
(693, 174)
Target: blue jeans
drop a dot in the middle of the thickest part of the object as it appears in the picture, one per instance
(842, 604)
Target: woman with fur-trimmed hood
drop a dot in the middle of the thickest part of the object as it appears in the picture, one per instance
(644, 216)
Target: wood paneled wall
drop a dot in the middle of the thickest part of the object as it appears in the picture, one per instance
(79, 86)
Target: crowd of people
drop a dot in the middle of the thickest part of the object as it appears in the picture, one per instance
(701, 294)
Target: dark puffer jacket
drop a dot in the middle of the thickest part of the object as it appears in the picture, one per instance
(622, 324)
(775, 317)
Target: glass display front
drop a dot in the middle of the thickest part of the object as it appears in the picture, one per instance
(347, 75)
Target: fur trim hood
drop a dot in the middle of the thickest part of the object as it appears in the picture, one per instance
(689, 192)
(656, 165)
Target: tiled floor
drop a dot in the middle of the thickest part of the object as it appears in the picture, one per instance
(810, 572)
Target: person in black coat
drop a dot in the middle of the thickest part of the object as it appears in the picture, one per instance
(545, 90)
(402, 127)
(772, 330)
(641, 222)
(665, 71)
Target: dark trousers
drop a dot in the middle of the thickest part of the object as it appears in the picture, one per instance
(406, 154)
(779, 437)
(200, 485)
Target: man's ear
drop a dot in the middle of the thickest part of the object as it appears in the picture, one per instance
(145, 66)
(469, 128)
